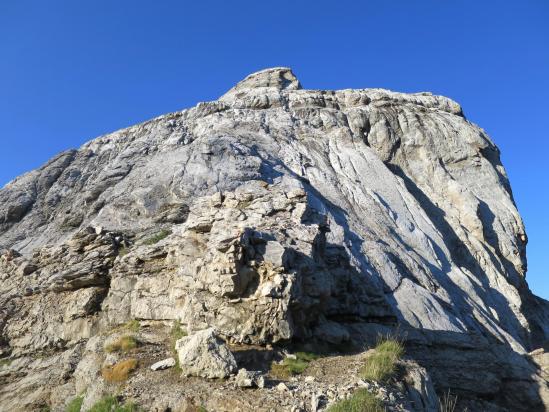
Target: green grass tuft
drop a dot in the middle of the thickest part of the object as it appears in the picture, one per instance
(390, 345)
(176, 333)
(448, 402)
(75, 405)
(381, 364)
(157, 237)
(360, 401)
(290, 367)
(111, 404)
(306, 356)
(132, 325)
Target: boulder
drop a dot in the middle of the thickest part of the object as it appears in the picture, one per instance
(282, 387)
(249, 379)
(163, 364)
(204, 354)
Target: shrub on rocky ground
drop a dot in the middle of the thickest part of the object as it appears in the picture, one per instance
(380, 365)
(120, 371)
(360, 401)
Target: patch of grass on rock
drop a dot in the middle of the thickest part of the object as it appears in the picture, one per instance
(119, 372)
(380, 365)
(123, 251)
(176, 333)
(122, 344)
(132, 325)
(75, 405)
(360, 401)
(157, 237)
(112, 404)
(290, 367)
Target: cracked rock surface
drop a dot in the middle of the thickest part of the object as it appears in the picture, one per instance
(275, 215)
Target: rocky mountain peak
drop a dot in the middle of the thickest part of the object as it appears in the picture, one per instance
(280, 78)
(270, 220)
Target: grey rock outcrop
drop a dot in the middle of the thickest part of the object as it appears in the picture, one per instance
(204, 354)
(421, 391)
(278, 214)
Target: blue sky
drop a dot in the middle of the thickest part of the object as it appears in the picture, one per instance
(73, 70)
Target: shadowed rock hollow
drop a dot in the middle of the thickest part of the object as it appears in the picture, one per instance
(275, 215)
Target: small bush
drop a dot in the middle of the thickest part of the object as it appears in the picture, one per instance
(122, 344)
(75, 405)
(111, 404)
(164, 233)
(120, 371)
(290, 367)
(360, 401)
(5, 362)
(381, 364)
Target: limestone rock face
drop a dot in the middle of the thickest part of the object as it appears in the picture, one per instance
(277, 214)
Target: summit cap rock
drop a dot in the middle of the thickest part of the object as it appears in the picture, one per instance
(281, 78)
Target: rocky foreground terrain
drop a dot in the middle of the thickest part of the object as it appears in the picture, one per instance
(274, 225)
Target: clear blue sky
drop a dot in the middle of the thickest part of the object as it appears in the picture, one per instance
(72, 70)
